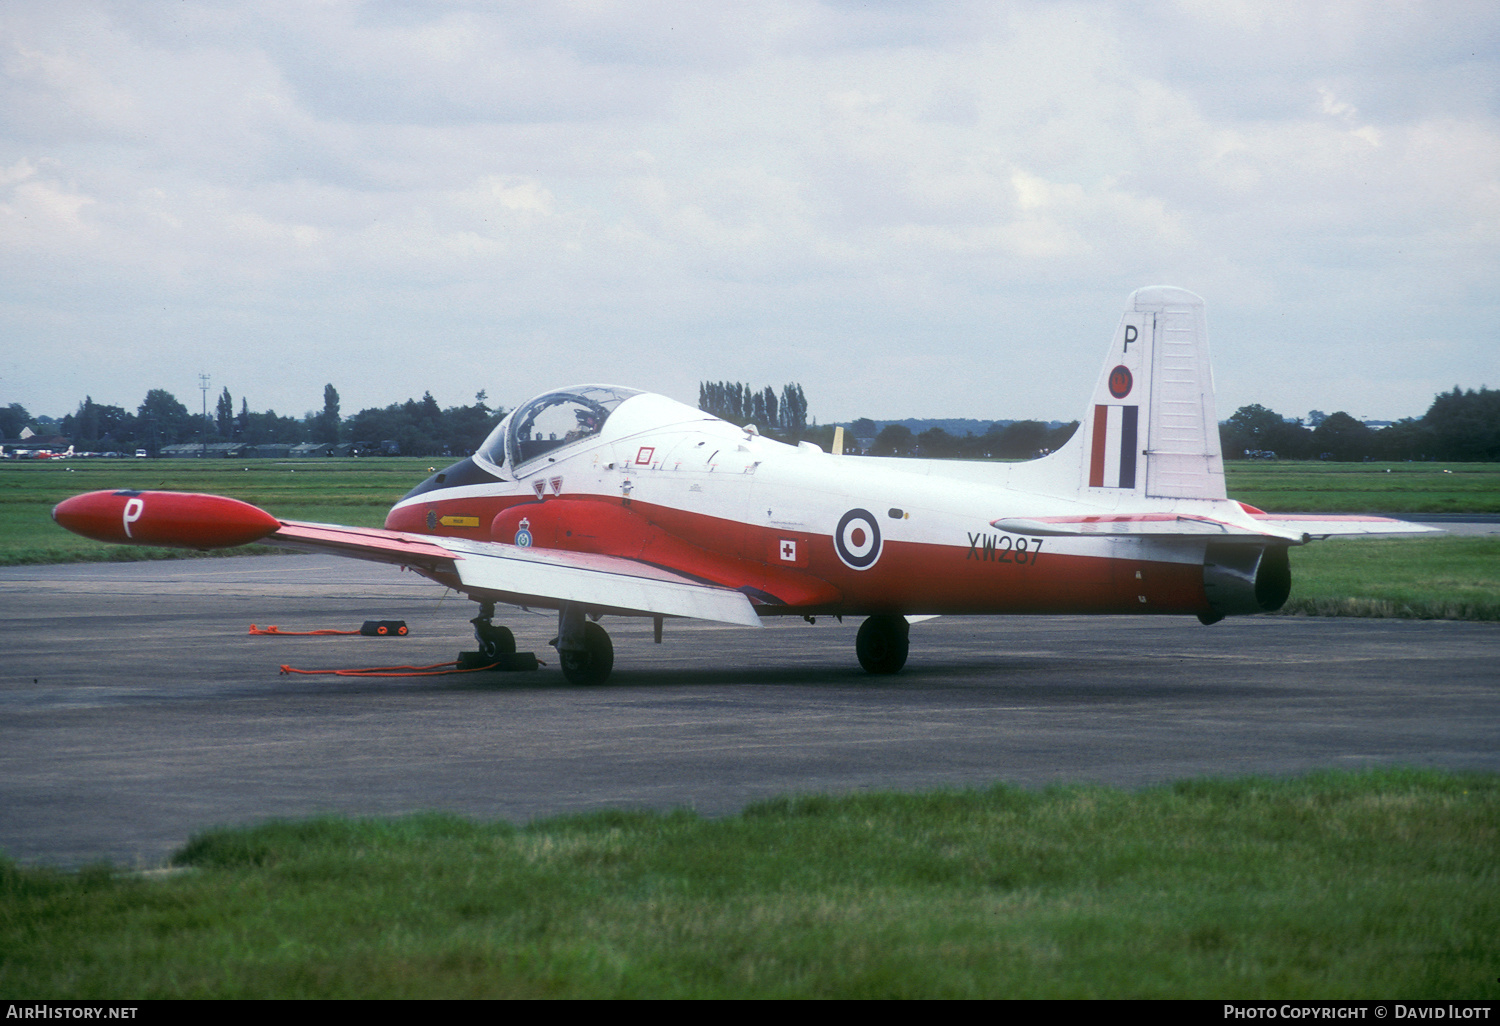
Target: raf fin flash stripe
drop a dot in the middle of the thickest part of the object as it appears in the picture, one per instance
(1112, 458)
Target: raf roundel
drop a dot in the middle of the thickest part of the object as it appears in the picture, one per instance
(1120, 382)
(857, 539)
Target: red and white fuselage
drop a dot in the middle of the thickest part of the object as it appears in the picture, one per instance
(803, 531)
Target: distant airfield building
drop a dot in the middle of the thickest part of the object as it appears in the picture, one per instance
(238, 450)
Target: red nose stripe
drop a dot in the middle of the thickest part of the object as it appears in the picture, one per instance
(175, 519)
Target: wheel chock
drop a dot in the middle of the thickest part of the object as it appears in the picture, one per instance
(384, 629)
(507, 663)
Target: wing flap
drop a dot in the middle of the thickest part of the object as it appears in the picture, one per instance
(529, 576)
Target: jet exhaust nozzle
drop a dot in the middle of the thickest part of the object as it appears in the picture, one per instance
(1239, 579)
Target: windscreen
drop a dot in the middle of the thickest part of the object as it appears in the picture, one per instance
(552, 421)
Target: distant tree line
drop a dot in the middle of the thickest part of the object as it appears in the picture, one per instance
(415, 427)
(421, 428)
(1460, 425)
(783, 416)
(1016, 440)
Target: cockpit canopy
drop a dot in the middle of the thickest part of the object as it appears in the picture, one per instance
(551, 421)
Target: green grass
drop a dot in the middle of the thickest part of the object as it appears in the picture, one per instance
(1453, 578)
(1338, 885)
(1390, 488)
(347, 491)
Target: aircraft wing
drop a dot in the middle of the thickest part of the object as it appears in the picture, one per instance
(1294, 528)
(504, 573)
(530, 577)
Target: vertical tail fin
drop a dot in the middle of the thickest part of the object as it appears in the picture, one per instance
(1151, 428)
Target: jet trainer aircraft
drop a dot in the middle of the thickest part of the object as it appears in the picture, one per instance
(599, 500)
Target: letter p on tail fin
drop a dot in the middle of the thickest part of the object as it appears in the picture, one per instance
(1151, 429)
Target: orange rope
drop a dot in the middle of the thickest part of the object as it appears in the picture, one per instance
(273, 629)
(389, 671)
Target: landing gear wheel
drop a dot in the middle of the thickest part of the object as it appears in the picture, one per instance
(495, 642)
(882, 643)
(593, 663)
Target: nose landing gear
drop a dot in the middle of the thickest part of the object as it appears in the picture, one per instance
(494, 641)
(497, 646)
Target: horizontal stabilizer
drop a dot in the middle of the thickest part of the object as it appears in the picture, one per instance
(1140, 525)
(1296, 528)
(1313, 525)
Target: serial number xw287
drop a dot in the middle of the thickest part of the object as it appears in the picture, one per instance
(1001, 548)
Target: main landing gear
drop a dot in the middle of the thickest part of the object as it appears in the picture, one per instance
(882, 643)
(584, 649)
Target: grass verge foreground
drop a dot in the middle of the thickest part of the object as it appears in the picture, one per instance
(1336, 885)
(1441, 578)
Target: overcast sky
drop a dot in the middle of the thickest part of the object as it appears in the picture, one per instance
(915, 210)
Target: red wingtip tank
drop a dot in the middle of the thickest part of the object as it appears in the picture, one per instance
(175, 519)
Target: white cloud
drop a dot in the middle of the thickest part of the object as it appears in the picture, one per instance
(960, 194)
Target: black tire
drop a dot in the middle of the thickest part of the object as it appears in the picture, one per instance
(496, 642)
(594, 663)
(882, 643)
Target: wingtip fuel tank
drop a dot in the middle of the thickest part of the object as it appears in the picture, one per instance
(173, 519)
